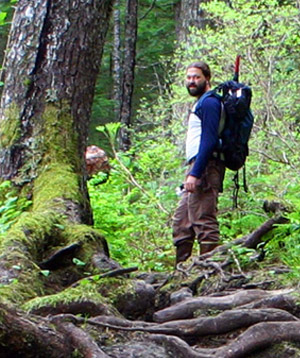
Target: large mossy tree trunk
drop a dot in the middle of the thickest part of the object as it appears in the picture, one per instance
(52, 61)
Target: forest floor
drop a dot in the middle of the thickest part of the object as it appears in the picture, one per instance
(213, 306)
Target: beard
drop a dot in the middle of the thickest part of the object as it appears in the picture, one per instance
(196, 90)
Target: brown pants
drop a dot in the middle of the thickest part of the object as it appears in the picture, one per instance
(196, 214)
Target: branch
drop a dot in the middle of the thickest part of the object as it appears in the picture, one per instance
(251, 240)
(133, 181)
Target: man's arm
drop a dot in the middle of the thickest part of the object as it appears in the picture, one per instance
(211, 113)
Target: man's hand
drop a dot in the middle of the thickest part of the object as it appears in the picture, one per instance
(190, 183)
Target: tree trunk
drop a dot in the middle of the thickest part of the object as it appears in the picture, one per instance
(128, 72)
(52, 61)
(117, 59)
(188, 14)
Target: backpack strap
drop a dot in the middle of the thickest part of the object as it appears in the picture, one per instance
(223, 114)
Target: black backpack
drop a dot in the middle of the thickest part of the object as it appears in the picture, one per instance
(237, 125)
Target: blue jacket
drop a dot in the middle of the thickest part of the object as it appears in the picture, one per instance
(208, 109)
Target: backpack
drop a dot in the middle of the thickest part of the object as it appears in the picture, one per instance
(236, 123)
(235, 126)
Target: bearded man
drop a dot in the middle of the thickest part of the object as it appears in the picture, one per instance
(195, 216)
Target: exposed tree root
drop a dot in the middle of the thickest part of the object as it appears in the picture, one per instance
(176, 346)
(253, 339)
(257, 317)
(32, 238)
(85, 307)
(59, 258)
(186, 308)
(223, 323)
(21, 334)
(281, 301)
(82, 341)
(260, 336)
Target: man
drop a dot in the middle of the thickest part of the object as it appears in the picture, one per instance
(195, 216)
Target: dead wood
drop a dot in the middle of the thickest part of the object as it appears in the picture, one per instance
(114, 273)
(187, 308)
(256, 236)
(251, 240)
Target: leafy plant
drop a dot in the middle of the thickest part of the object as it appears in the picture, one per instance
(134, 207)
(10, 206)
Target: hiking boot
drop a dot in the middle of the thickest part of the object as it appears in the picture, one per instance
(183, 251)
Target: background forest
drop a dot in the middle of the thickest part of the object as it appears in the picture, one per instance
(266, 34)
(134, 208)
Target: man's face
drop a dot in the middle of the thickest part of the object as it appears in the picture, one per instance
(195, 82)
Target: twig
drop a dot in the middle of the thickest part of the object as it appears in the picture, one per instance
(113, 273)
(236, 262)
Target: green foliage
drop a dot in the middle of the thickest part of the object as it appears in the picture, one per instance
(2, 18)
(266, 34)
(156, 36)
(128, 207)
(6, 14)
(10, 206)
(286, 244)
(134, 207)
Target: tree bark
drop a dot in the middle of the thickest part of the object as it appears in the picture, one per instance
(117, 59)
(54, 53)
(188, 14)
(128, 73)
(52, 61)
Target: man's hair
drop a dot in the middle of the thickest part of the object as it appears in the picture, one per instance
(203, 67)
